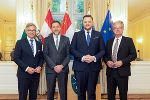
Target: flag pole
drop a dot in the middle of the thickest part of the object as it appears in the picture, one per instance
(66, 6)
(89, 8)
(108, 4)
(49, 4)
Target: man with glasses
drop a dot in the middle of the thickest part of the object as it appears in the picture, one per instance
(120, 51)
(29, 58)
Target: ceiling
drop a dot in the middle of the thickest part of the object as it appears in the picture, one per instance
(137, 9)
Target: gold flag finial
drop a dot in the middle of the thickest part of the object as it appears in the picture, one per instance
(66, 5)
(49, 3)
(32, 5)
(108, 4)
(89, 6)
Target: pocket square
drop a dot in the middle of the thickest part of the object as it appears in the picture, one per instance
(96, 37)
(39, 50)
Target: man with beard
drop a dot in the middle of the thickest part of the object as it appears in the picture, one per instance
(88, 48)
(56, 54)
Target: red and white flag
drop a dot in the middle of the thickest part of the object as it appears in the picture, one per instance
(46, 28)
(67, 27)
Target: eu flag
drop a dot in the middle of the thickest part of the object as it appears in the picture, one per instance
(107, 28)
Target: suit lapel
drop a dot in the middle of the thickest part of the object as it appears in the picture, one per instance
(83, 38)
(61, 42)
(52, 42)
(111, 44)
(37, 47)
(92, 38)
(121, 44)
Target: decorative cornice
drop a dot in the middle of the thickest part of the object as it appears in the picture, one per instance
(139, 16)
(6, 21)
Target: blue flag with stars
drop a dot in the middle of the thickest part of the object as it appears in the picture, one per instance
(107, 28)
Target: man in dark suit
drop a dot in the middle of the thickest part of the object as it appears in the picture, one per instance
(29, 58)
(56, 54)
(88, 48)
(120, 51)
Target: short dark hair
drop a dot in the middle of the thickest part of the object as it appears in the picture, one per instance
(87, 16)
(55, 21)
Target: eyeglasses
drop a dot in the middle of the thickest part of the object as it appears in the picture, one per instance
(117, 28)
(31, 30)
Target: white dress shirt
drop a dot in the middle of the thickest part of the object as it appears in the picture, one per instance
(89, 33)
(34, 44)
(115, 40)
(55, 38)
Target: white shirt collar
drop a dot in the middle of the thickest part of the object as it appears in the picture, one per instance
(118, 38)
(54, 36)
(30, 39)
(88, 31)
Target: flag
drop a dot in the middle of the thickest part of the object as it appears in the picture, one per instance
(107, 28)
(67, 27)
(24, 35)
(46, 28)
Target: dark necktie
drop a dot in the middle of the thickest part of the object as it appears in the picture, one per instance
(32, 46)
(114, 55)
(88, 38)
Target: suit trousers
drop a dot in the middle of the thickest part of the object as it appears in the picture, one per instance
(86, 81)
(62, 78)
(25, 84)
(114, 80)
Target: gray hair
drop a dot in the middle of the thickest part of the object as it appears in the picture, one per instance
(120, 22)
(30, 24)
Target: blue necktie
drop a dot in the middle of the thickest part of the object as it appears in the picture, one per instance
(88, 38)
(32, 46)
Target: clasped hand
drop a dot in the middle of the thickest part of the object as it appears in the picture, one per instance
(32, 70)
(114, 64)
(88, 58)
(58, 68)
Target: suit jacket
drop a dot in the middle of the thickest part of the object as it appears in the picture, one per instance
(79, 48)
(126, 53)
(55, 57)
(24, 58)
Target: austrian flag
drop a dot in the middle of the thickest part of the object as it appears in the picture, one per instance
(46, 28)
(66, 27)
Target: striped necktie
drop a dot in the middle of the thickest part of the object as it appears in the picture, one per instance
(32, 46)
(114, 55)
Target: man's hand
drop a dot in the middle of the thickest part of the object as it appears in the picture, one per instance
(31, 70)
(118, 63)
(88, 58)
(110, 64)
(38, 69)
(58, 68)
